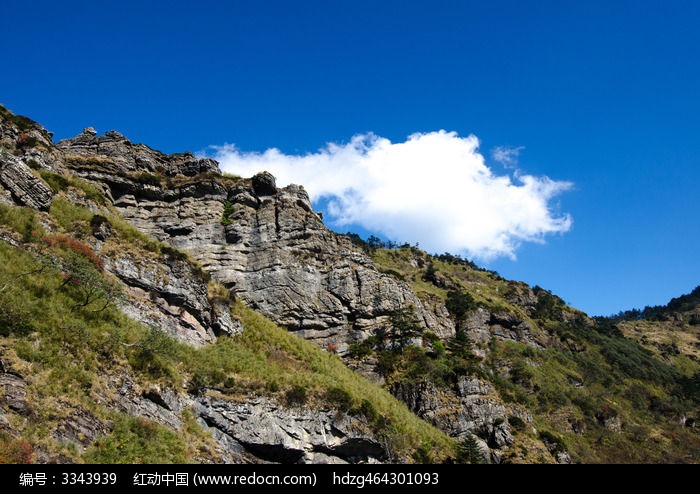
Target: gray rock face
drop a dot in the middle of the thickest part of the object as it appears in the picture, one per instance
(14, 392)
(255, 429)
(81, 428)
(26, 189)
(30, 142)
(563, 458)
(521, 295)
(482, 325)
(115, 153)
(162, 406)
(168, 295)
(471, 408)
(283, 261)
(273, 251)
(290, 435)
(222, 322)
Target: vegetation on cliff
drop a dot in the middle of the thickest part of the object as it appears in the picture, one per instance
(117, 346)
(603, 396)
(61, 330)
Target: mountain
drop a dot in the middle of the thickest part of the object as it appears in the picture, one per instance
(155, 309)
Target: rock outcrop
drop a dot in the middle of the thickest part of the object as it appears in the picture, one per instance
(265, 244)
(472, 407)
(269, 248)
(212, 238)
(26, 189)
(250, 430)
(114, 153)
(482, 325)
(284, 262)
(280, 434)
(14, 390)
(164, 289)
(256, 429)
(170, 294)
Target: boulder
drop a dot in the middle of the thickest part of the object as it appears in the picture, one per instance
(264, 184)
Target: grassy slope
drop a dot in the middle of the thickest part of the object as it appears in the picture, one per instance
(69, 353)
(588, 375)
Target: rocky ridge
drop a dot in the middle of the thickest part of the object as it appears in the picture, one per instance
(265, 244)
(271, 250)
(164, 289)
(266, 247)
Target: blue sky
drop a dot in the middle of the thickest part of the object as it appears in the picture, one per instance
(601, 94)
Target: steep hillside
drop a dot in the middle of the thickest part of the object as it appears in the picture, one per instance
(265, 244)
(587, 389)
(150, 296)
(671, 331)
(117, 347)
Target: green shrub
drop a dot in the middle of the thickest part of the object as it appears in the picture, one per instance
(548, 306)
(363, 348)
(422, 454)
(198, 382)
(156, 354)
(72, 218)
(368, 410)
(430, 274)
(208, 378)
(138, 441)
(554, 443)
(297, 395)
(146, 178)
(226, 215)
(15, 318)
(33, 164)
(22, 220)
(91, 193)
(521, 373)
(635, 361)
(402, 328)
(387, 362)
(469, 452)
(459, 303)
(339, 398)
(517, 423)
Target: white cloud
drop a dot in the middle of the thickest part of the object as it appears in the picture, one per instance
(507, 156)
(434, 189)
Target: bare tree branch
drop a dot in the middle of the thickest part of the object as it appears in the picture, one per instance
(21, 275)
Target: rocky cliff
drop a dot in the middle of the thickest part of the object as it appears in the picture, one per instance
(153, 267)
(265, 244)
(67, 211)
